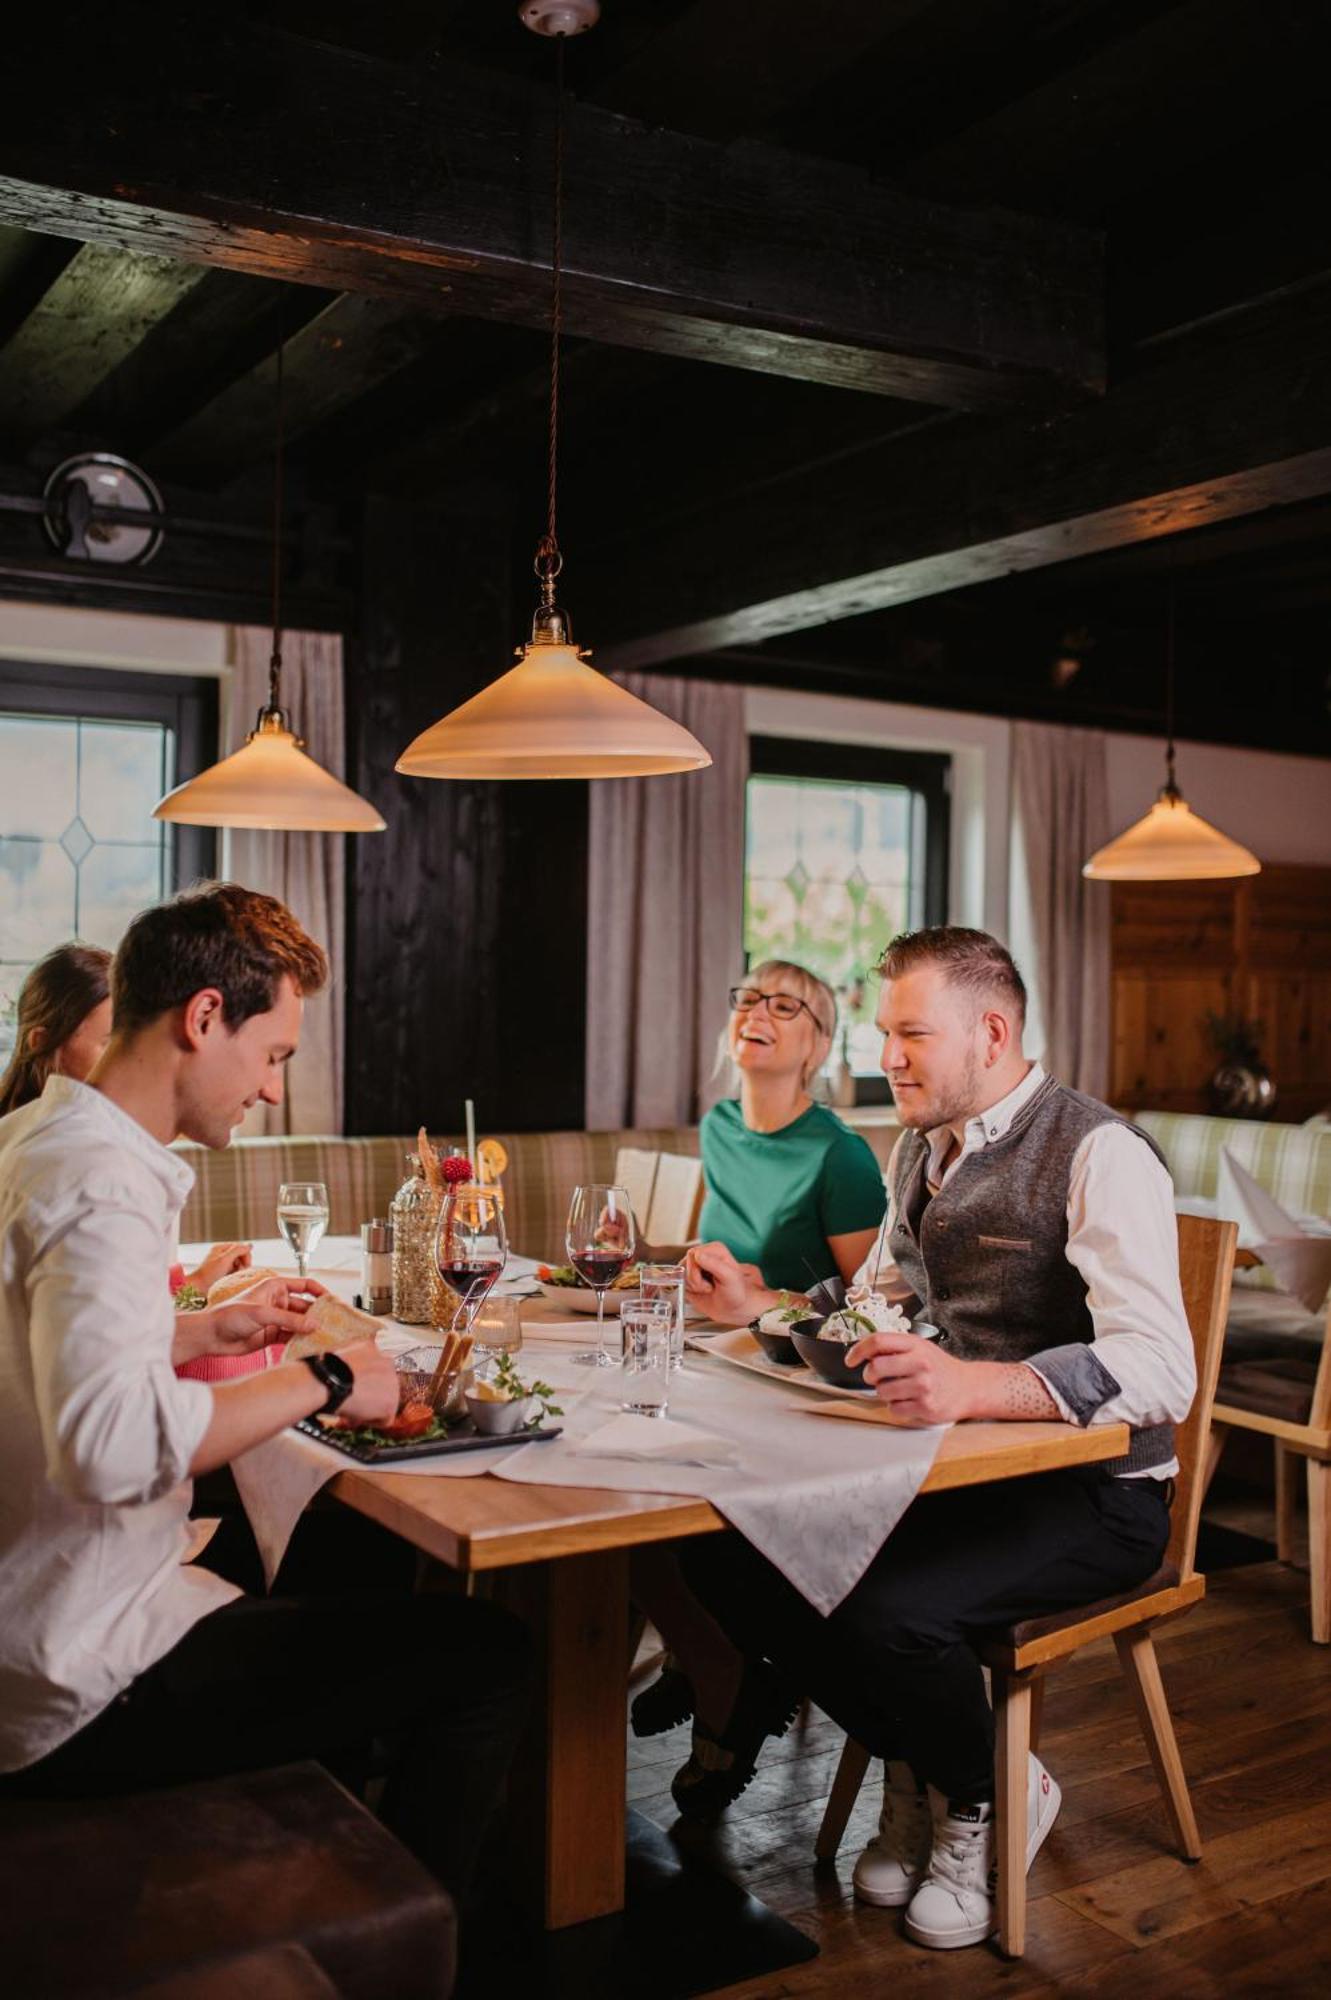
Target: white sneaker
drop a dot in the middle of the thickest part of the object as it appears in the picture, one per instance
(955, 1904)
(892, 1866)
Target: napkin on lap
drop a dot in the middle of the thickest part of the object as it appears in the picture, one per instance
(1297, 1252)
(659, 1438)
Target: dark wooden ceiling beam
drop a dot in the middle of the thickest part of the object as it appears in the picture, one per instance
(102, 304)
(341, 354)
(1227, 422)
(295, 160)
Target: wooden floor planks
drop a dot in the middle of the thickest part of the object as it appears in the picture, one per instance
(1113, 1911)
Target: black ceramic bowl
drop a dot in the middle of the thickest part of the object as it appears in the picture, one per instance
(780, 1347)
(828, 1359)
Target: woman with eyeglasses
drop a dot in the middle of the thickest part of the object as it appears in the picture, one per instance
(791, 1190)
(795, 1194)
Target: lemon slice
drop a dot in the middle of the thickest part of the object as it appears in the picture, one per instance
(491, 1158)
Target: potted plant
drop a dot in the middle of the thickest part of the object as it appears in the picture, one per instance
(1242, 1086)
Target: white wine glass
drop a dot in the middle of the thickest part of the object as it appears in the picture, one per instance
(600, 1240)
(302, 1218)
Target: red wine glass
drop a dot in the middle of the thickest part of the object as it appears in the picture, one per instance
(600, 1240)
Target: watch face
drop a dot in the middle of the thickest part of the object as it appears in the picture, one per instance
(337, 1371)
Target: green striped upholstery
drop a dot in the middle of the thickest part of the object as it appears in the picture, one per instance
(235, 1191)
(1292, 1162)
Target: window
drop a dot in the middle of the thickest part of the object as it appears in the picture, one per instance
(84, 757)
(845, 846)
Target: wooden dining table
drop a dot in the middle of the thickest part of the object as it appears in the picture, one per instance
(560, 1555)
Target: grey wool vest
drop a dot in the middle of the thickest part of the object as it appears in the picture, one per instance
(987, 1255)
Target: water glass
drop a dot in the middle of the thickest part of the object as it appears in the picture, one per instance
(645, 1332)
(666, 1281)
(302, 1217)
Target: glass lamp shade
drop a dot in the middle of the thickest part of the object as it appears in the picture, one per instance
(552, 716)
(1171, 844)
(270, 783)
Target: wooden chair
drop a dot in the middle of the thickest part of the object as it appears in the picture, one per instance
(1020, 1656)
(1289, 1401)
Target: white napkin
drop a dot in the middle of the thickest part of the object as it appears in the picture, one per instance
(1296, 1250)
(659, 1439)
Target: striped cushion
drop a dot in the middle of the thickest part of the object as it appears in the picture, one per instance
(235, 1191)
(1292, 1162)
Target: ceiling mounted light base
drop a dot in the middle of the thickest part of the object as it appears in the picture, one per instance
(269, 784)
(1171, 844)
(559, 17)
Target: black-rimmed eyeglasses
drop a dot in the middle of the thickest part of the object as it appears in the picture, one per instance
(782, 1006)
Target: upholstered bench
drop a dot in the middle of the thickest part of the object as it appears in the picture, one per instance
(1293, 1164)
(199, 1889)
(235, 1191)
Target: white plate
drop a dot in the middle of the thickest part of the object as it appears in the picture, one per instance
(738, 1346)
(580, 1300)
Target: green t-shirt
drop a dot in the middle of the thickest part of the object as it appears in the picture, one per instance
(774, 1198)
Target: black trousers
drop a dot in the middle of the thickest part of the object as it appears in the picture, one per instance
(895, 1663)
(429, 1692)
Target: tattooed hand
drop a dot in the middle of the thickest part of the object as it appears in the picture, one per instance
(922, 1384)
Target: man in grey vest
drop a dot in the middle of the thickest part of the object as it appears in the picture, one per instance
(1034, 1229)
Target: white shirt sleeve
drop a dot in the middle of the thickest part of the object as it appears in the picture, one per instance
(118, 1425)
(878, 1270)
(1123, 1239)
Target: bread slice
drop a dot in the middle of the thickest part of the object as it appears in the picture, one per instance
(329, 1324)
(235, 1282)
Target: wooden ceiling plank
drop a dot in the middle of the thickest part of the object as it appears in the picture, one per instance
(96, 312)
(314, 164)
(346, 350)
(1228, 422)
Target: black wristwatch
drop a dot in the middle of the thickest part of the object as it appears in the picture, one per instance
(337, 1378)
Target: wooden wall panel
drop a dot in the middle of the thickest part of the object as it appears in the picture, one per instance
(1260, 947)
(466, 919)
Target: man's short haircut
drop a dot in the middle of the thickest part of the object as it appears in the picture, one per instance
(215, 934)
(970, 959)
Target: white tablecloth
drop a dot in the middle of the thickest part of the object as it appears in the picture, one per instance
(816, 1496)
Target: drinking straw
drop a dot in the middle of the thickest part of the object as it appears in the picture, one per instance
(471, 1133)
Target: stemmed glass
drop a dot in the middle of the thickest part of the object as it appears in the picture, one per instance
(600, 1240)
(470, 1247)
(302, 1217)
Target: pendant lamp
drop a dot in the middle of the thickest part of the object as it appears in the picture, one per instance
(553, 715)
(270, 782)
(1172, 843)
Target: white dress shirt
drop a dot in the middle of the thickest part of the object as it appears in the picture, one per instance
(1123, 1239)
(99, 1432)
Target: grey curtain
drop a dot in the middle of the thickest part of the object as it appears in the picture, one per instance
(305, 870)
(1060, 795)
(665, 919)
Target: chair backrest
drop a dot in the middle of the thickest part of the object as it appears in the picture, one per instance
(676, 1199)
(1206, 1264)
(635, 1172)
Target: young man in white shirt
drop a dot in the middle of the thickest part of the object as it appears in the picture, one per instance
(122, 1665)
(1035, 1229)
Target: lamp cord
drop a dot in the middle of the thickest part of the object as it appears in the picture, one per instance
(549, 561)
(275, 659)
(1170, 785)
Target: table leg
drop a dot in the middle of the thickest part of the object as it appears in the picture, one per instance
(566, 1793)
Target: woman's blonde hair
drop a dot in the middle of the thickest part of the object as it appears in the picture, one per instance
(817, 996)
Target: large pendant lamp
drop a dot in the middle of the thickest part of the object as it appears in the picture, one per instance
(1172, 843)
(553, 715)
(270, 782)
